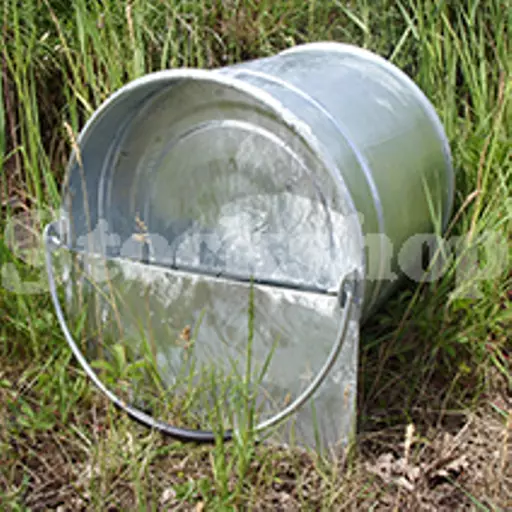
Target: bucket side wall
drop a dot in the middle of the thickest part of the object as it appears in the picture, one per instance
(401, 180)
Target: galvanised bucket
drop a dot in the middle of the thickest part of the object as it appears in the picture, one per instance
(247, 219)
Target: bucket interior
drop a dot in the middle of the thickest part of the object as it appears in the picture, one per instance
(220, 238)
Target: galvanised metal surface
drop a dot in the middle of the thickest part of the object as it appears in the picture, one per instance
(275, 172)
(382, 132)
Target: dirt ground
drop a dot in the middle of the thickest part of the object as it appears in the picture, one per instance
(461, 464)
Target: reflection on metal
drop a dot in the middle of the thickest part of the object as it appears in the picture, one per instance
(234, 206)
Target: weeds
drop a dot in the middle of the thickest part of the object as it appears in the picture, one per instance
(433, 353)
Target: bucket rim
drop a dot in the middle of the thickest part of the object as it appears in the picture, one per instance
(351, 283)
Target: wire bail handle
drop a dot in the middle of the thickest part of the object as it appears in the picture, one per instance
(347, 299)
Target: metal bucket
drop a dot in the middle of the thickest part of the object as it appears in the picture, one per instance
(266, 178)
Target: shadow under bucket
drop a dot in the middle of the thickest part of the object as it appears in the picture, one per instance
(225, 232)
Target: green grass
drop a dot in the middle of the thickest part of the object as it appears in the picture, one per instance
(430, 355)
